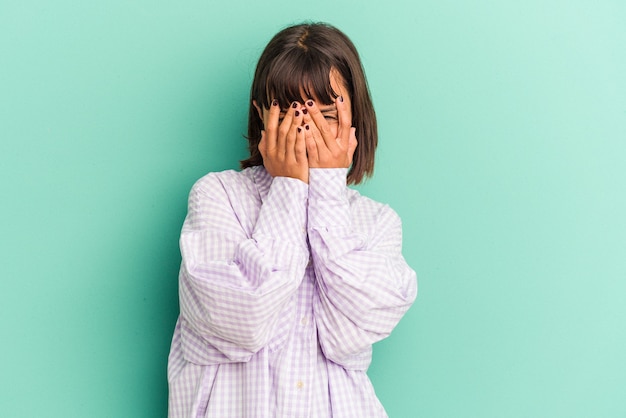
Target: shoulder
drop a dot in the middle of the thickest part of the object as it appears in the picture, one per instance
(224, 183)
(229, 196)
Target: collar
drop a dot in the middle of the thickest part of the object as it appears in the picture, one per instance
(262, 180)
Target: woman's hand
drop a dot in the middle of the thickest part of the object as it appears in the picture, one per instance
(283, 145)
(329, 145)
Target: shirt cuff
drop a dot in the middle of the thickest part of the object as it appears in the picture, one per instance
(327, 183)
(283, 215)
(328, 197)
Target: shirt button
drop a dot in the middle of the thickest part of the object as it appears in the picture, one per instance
(304, 321)
(299, 385)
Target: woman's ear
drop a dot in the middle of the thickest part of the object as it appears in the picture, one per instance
(258, 109)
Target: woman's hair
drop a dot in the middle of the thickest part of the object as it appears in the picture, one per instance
(298, 60)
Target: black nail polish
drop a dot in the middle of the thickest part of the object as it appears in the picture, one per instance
(341, 99)
(309, 103)
(297, 113)
(294, 105)
(274, 102)
(299, 129)
(306, 127)
(304, 111)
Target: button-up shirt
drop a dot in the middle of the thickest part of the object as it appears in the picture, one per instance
(284, 287)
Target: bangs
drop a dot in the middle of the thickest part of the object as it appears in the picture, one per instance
(297, 77)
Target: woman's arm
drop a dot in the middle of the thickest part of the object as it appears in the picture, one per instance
(233, 286)
(364, 283)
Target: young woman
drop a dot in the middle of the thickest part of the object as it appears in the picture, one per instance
(288, 276)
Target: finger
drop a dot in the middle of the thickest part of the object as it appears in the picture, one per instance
(290, 142)
(345, 122)
(320, 144)
(311, 146)
(352, 143)
(285, 127)
(306, 117)
(263, 144)
(271, 125)
(306, 120)
(300, 146)
(320, 122)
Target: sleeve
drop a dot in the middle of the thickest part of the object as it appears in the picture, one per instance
(232, 287)
(364, 284)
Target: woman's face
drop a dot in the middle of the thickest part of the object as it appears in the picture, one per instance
(329, 111)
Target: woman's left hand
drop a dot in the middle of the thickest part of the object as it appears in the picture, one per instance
(329, 146)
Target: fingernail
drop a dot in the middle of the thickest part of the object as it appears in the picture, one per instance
(341, 99)
(294, 104)
(304, 111)
(306, 127)
(274, 102)
(309, 103)
(299, 129)
(297, 113)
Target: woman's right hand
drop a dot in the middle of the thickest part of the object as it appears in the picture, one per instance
(282, 143)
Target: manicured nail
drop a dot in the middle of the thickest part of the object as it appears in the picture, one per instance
(299, 129)
(309, 103)
(306, 127)
(274, 102)
(297, 113)
(341, 99)
(304, 111)
(294, 104)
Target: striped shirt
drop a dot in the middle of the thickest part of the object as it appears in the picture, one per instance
(284, 287)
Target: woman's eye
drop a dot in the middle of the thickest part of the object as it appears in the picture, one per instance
(330, 117)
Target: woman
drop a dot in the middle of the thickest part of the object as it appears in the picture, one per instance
(288, 276)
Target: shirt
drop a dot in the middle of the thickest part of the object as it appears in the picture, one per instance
(283, 288)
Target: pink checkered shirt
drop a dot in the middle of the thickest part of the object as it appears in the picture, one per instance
(284, 287)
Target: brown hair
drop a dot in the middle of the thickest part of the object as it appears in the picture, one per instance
(299, 59)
